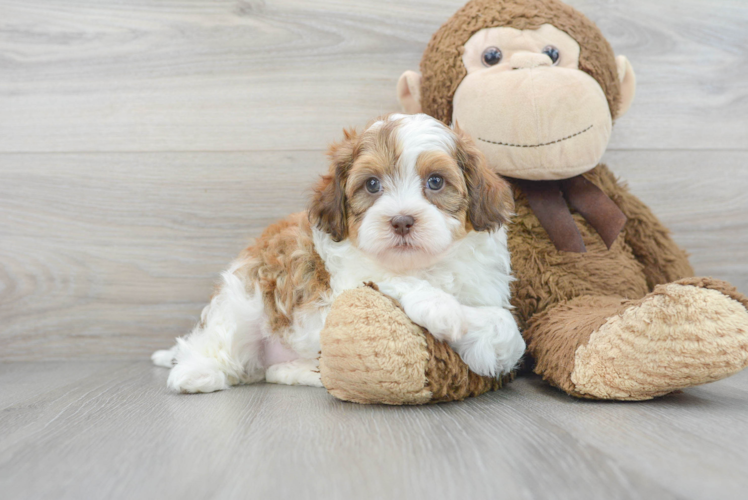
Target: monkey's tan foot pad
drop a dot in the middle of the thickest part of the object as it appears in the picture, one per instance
(373, 354)
(682, 334)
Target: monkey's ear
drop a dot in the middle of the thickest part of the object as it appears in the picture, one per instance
(628, 84)
(327, 209)
(491, 203)
(409, 92)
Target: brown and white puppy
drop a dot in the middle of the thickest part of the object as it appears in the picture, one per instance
(408, 204)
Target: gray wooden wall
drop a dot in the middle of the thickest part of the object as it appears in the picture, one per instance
(144, 142)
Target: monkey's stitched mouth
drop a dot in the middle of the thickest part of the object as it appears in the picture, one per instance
(536, 145)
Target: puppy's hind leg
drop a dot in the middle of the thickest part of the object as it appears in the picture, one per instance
(225, 349)
(297, 372)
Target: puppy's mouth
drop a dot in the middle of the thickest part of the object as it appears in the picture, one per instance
(405, 246)
(537, 145)
(405, 243)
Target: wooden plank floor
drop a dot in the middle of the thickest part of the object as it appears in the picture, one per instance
(111, 430)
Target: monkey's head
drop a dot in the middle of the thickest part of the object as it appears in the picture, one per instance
(534, 82)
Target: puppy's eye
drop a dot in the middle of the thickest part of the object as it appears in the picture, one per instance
(491, 56)
(552, 52)
(435, 182)
(373, 185)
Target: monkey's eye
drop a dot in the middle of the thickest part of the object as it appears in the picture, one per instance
(435, 182)
(491, 56)
(373, 185)
(552, 52)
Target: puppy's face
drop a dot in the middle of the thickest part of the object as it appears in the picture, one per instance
(405, 189)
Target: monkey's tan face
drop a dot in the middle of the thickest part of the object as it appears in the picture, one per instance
(527, 105)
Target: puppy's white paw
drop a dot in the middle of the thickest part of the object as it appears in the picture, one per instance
(494, 345)
(190, 376)
(165, 357)
(440, 313)
(296, 372)
(486, 359)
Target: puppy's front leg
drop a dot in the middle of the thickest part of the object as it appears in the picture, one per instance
(434, 309)
(493, 344)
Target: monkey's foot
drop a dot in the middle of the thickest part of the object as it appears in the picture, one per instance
(683, 334)
(372, 353)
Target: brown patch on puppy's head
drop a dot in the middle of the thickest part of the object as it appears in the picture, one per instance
(452, 198)
(340, 199)
(376, 156)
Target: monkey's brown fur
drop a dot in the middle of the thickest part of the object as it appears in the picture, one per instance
(626, 323)
(641, 258)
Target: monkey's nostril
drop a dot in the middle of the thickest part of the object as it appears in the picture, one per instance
(402, 224)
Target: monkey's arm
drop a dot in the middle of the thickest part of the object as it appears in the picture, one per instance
(663, 260)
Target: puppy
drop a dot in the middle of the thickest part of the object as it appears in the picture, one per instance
(408, 204)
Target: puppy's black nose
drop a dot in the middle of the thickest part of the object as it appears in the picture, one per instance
(402, 224)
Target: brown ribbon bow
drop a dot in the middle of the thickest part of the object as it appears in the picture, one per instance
(548, 200)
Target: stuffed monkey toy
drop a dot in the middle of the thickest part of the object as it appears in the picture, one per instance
(605, 299)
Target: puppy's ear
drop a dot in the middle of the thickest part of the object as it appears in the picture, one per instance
(491, 203)
(327, 210)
